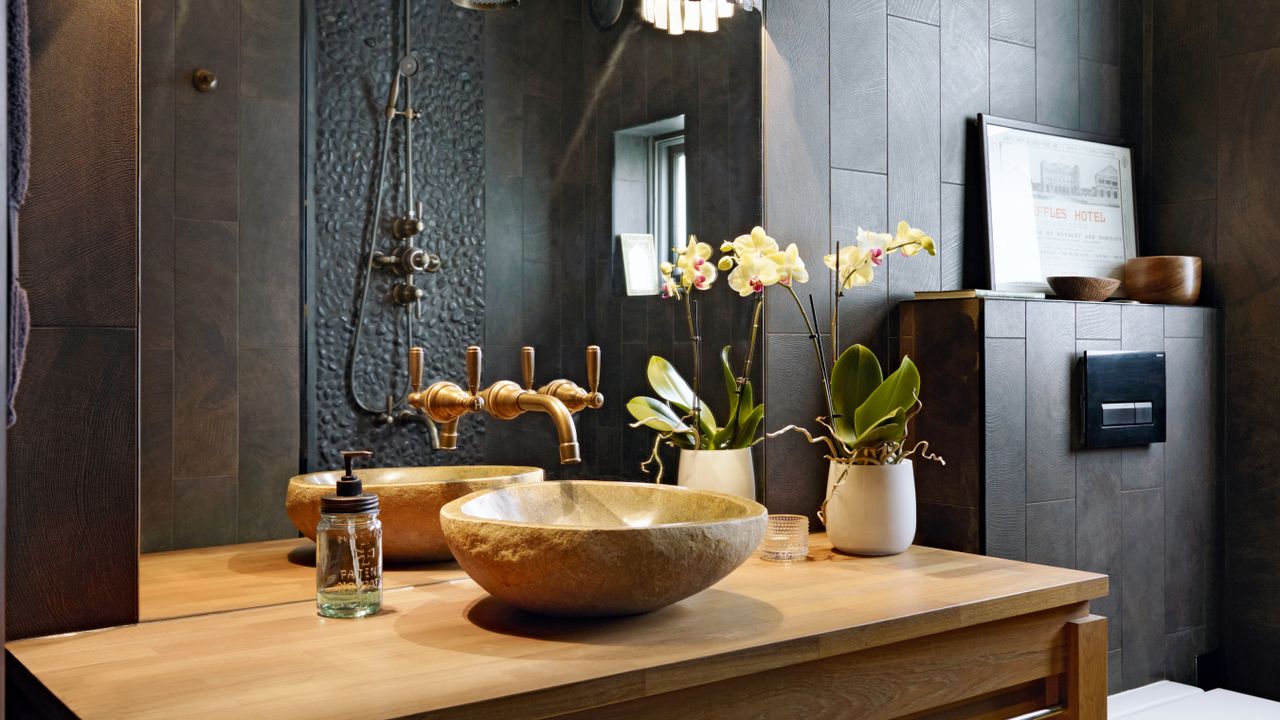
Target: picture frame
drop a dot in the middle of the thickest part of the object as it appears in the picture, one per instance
(640, 264)
(1058, 202)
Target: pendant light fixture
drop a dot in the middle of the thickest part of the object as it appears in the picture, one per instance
(680, 16)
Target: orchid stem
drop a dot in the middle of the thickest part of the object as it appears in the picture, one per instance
(817, 349)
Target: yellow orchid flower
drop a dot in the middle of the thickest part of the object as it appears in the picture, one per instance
(757, 243)
(790, 265)
(695, 269)
(910, 241)
(753, 274)
(857, 265)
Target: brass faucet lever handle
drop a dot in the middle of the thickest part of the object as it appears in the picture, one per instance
(416, 355)
(593, 375)
(526, 366)
(475, 358)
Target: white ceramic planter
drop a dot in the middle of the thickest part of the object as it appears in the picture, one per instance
(726, 471)
(872, 511)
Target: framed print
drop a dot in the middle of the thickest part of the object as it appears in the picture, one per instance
(1058, 203)
(640, 264)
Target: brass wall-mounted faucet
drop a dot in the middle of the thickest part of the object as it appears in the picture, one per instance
(445, 402)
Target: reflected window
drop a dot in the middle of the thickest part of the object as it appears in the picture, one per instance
(650, 188)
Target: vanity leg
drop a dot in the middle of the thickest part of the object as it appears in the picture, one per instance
(1087, 668)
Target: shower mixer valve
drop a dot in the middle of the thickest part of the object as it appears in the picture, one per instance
(408, 260)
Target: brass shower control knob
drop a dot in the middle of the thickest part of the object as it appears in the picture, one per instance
(204, 80)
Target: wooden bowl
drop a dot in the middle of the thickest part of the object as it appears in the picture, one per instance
(1163, 279)
(1082, 287)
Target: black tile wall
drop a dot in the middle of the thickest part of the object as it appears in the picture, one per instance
(1214, 81)
(72, 454)
(865, 120)
(219, 290)
(1148, 517)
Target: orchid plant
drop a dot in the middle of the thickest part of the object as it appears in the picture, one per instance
(678, 415)
(867, 414)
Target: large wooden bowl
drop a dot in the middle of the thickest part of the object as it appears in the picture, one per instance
(409, 501)
(1163, 279)
(1083, 287)
(598, 549)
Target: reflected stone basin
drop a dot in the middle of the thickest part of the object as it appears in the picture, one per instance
(409, 501)
(596, 549)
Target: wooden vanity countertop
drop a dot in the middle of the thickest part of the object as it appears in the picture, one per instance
(231, 577)
(447, 649)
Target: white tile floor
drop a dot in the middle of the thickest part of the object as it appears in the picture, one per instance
(1172, 701)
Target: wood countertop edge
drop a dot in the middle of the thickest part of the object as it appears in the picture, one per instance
(739, 662)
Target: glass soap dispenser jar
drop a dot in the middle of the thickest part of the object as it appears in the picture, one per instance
(349, 548)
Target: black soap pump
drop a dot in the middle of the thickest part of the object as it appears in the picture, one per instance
(349, 548)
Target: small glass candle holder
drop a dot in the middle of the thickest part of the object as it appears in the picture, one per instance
(786, 538)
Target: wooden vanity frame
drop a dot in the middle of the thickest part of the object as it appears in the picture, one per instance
(928, 633)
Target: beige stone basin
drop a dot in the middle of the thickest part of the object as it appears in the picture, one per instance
(594, 549)
(409, 502)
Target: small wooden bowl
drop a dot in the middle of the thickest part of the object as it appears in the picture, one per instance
(1163, 279)
(1082, 287)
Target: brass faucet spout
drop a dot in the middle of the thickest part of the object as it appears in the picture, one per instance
(561, 418)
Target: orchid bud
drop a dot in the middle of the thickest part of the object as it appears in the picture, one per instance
(725, 264)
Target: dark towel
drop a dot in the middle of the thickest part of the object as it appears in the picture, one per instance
(19, 166)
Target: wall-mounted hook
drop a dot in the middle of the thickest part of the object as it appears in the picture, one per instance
(204, 80)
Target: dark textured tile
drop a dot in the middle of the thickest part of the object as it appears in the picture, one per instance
(1051, 354)
(155, 444)
(1191, 484)
(1013, 81)
(925, 11)
(155, 284)
(797, 131)
(1247, 25)
(270, 47)
(270, 431)
(79, 223)
(1189, 228)
(1185, 322)
(1006, 448)
(503, 98)
(204, 512)
(1143, 602)
(502, 287)
(1181, 650)
(1143, 466)
(1005, 318)
(1098, 539)
(270, 231)
(72, 483)
(950, 527)
(1250, 86)
(859, 85)
(156, 43)
(795, 471)
(1014, 21)
(1051, 533)
(1098, 321)
(1102, 104)
(207, 149)
(1184, 163)
(1100, 31)
(1253, 663)
(1142, 328)
(859, 200)
(1115, 680)
(1058, 63)
(915, 192)
(966, 79)
(205, 310)
(951, 236)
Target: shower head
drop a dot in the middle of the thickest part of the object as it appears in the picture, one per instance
(486, 4)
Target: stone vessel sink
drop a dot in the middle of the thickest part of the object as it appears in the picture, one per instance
(597, 549)
(409, 500)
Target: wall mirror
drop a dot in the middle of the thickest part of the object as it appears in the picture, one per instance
(364, 177)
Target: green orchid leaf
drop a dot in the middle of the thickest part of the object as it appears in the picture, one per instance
(724, 437)
(854, 377)
(899, 391)
(671, 387)
(747, 429)
(656, 415)
(747, 403)
(730, 384)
